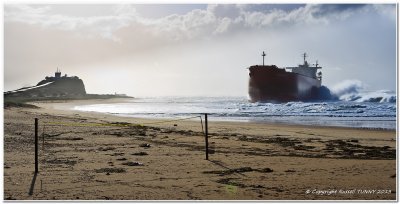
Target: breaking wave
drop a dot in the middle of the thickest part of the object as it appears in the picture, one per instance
(347, 87)
(354, 90)
(325, 94)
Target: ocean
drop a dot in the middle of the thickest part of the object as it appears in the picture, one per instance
(369, 110)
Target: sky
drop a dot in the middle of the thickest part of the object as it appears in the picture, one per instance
(195, 49)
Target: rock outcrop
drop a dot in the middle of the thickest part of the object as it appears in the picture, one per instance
(52, 87)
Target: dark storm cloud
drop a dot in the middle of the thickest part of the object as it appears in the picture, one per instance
(328, 9)
(269, 7)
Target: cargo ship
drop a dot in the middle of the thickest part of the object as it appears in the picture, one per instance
(268, 83)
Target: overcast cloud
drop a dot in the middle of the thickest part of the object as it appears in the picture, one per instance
(195, 49)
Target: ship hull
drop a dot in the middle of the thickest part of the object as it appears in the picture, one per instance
(272, 84)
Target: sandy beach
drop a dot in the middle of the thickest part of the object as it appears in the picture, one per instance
(92, 156)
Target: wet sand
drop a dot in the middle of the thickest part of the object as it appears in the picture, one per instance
(91, 156)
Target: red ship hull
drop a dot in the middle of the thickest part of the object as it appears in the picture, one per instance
(272, 84)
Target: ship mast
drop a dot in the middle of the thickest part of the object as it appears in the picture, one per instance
(263, 55)
(304, 56)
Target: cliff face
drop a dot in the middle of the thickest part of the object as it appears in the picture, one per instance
(68, 86)
(52, 87)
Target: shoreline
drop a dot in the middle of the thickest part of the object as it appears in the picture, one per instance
(93, 156)
(69, 104)
(232, 127)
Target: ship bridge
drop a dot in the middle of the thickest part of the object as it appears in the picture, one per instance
(307, 70)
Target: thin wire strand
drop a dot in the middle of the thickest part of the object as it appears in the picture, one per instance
(116, 125)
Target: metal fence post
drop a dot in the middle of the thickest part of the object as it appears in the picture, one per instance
(36, 146)
(43, 138)
(206, 135)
